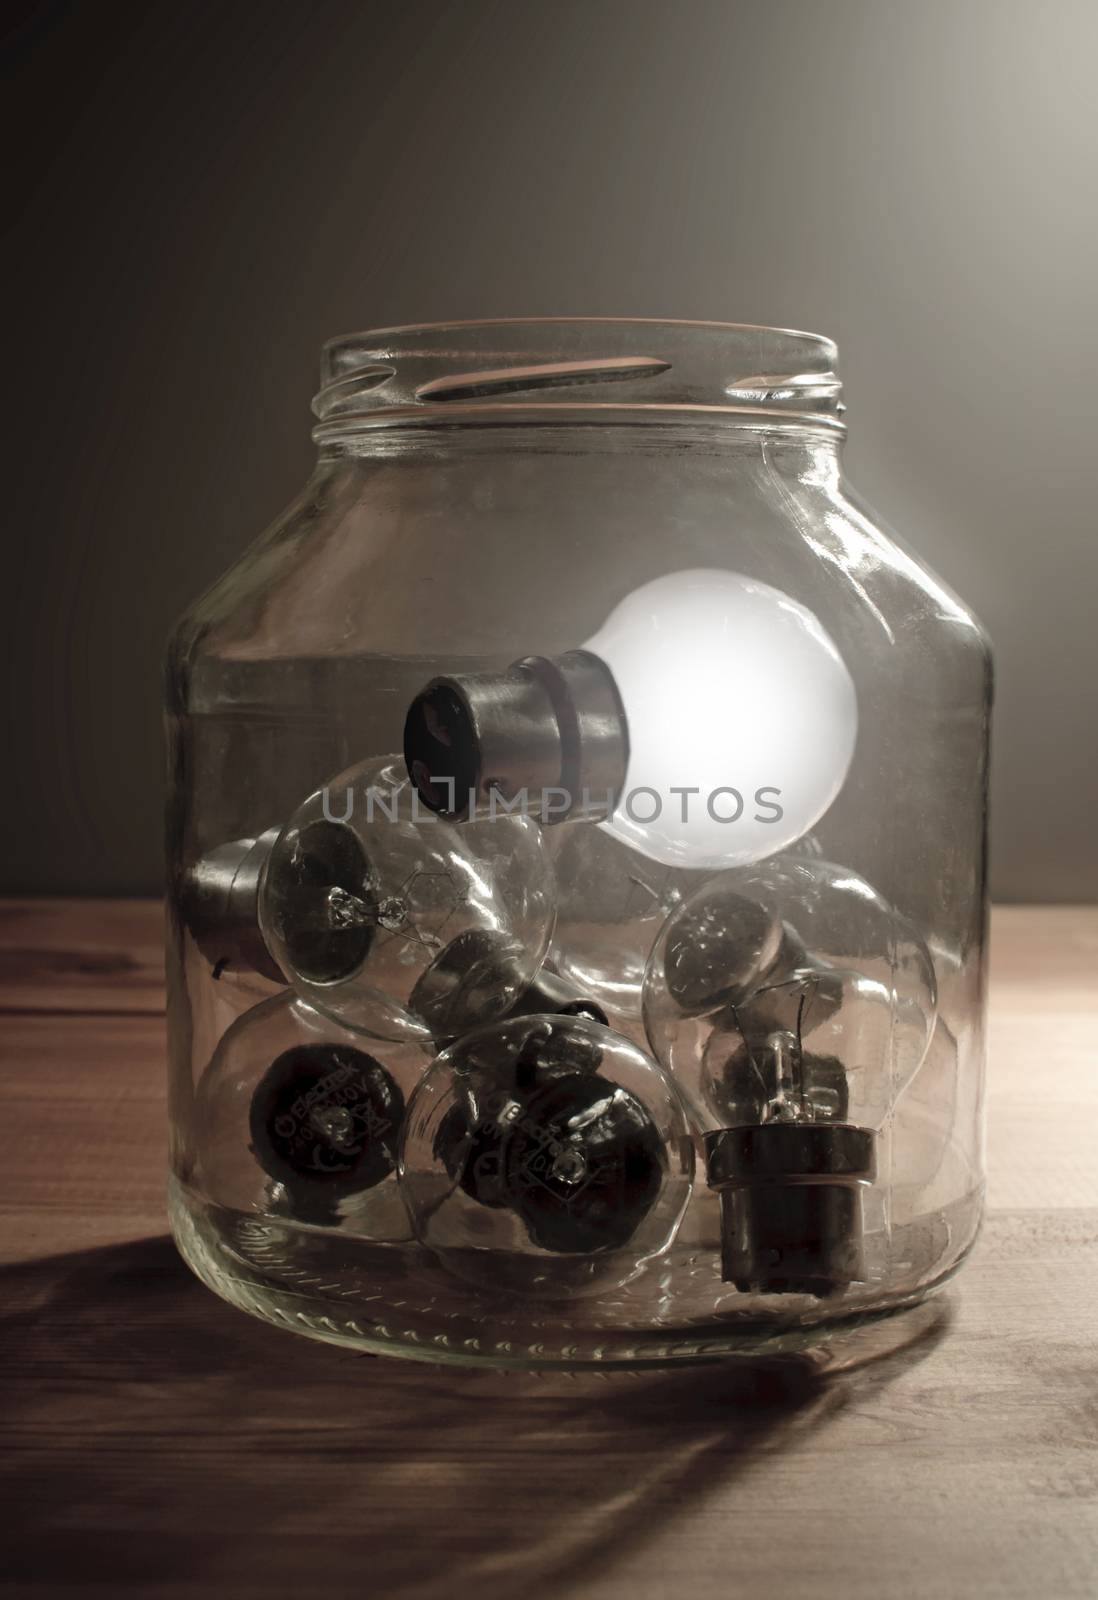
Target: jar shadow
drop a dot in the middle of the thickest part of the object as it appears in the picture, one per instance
(162, 1438)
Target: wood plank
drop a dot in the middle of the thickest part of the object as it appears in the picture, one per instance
(1042, 1082)
(83, 1131)
(82, 955)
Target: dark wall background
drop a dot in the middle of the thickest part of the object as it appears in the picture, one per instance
(207, 191)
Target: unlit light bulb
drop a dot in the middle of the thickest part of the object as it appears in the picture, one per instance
(792, 1005)
(397, 925)
(792, 946)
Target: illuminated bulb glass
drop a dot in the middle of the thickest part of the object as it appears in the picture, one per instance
(733, 692)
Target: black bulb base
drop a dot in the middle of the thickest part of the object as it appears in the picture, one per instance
(325, 1122)
(791, 1205)
(573, 1155)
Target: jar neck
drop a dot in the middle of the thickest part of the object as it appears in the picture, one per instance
(789, 449)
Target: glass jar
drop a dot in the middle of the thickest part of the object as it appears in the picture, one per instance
(576, 851)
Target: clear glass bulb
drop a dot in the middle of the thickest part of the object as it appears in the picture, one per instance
(300, 1119)
(813, 1046)
(792, 948)
(792, 1005)
(546, 1156)
(397, 923)
(734, 693)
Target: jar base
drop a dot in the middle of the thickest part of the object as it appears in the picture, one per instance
(386, 1303)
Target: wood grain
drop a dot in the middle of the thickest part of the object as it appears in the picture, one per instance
(160, 1444)
(82, 955)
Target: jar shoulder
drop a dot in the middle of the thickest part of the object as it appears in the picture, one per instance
(926, 599)
(490, 557)
(232, 609)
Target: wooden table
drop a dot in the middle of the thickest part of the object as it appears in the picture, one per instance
(159, 1443)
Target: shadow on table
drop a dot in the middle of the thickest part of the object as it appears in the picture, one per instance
(162, 1441)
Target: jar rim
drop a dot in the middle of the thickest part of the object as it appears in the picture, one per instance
(418, 373)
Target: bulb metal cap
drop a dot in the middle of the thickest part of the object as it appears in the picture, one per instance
(791, 1215)
(547, 738)
(478, 977)
(220, 904)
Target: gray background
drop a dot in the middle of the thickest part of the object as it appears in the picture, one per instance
(209, 191)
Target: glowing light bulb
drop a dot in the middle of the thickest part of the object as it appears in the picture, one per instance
(737, 701)
(709, 722)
